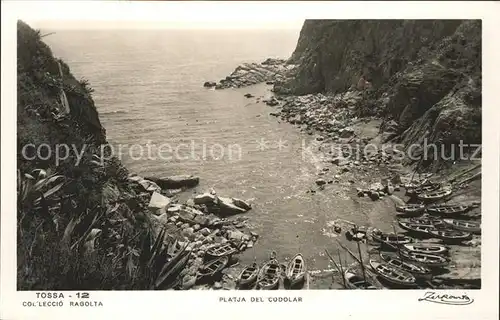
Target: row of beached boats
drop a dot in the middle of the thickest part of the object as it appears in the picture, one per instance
(417, 209)
(403, 262)
(268, 276)
(264, 277)
(410, 265)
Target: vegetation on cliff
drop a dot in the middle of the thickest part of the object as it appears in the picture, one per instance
(81, 224)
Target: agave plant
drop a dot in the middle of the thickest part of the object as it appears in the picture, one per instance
(37, 185)
(160, 263)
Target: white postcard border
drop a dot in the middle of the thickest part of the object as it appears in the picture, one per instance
(332, 303)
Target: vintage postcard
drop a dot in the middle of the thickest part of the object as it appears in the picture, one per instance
(260, 163)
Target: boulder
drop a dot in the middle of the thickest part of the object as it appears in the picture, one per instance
(226, 206)
(205, 198)
(248, 95)
(209, 84)
(374, 195)
(176, 182)
(147, 185)
(236, 235)
(205, 231)
(320, 182)
(346, 132)
(242, 204)
(158, 203)
(389, 189)
(174, 209)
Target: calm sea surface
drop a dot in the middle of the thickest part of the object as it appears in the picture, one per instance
(149, 90)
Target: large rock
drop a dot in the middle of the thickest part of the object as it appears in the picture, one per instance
(227, 206)
(209, 84)
(175, 182)
(241, 204)
(158, 203)
(205, 198)
(147, 185)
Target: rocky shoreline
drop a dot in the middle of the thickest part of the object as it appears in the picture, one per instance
(247, 74)
(338, 127)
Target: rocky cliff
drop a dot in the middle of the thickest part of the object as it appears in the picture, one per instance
(79, 217)
(84, 222)
(425, 74)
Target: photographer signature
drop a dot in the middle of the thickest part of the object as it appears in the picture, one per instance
(457, 300)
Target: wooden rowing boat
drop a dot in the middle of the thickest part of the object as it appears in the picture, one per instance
(221, 250)
(416, 228)
(422, 189)
(425, 259)
(393, 275)
(296, 270)
(451, 235)
(434, 195)
(355, 281)
(467, 226)
(390, 238)
(395, 261)
(425, 221)
(269, 275)
(213, 267)
(248, 275)
(411, 209)
(429, 248)
(452, 209)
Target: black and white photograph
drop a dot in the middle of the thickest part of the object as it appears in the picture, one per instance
(335, 154)
(232, 156)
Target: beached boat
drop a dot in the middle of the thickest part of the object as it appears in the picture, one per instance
(269, 275)
(411, 209)
(451, 235)
(355, 281)
(425, 221)
(296, 270)
(467, 226)
(416, 228)
(422, 189)
(434, 195)
(430, 248)
(221, 250)
(390, 238)
(248, 275)
(395, 261)
(448, 209)
(392, 274)
(428, 260)
(212, 267)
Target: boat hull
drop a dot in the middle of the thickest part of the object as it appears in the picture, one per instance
(462, 226)
(269, 275)
(427, 260)
(295, 270)
(389, 273)
(427, 249)
(355, 282)
(418, 271)
(248, 276)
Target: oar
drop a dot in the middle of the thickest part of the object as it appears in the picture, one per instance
(361, 259)
(342, 269)
(396, 234)
(336, 265)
